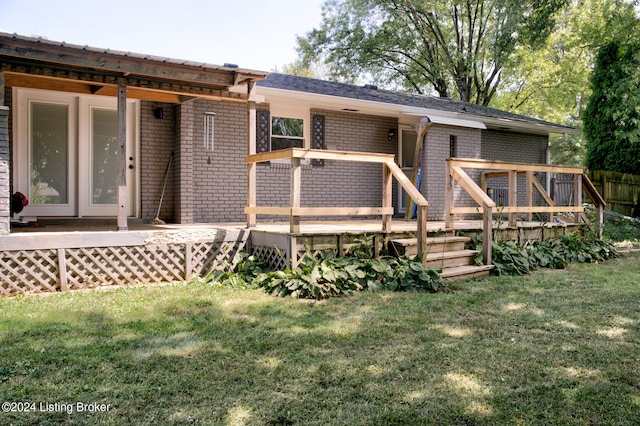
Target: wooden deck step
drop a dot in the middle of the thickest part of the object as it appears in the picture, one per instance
(465, 272)
(409, 246)
(451, 259)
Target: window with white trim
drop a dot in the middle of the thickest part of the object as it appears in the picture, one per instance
(286, 133)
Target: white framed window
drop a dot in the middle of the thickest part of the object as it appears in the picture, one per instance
(287, 133)
(290, 127)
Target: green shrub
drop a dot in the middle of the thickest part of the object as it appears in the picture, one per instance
(240, 273)
(510, 258)
(327, 276)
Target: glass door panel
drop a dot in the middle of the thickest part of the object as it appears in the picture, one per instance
(49, 148)
(104, 156)
(98, 150)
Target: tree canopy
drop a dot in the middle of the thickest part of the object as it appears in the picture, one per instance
(451, 47)
(612, 117)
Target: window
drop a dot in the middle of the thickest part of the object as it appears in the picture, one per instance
(287, 133)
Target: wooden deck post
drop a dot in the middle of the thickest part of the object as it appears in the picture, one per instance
(122, 158)
(487, 233)
(449, 201)
(62, 270)
(387, 191)
(529, 193)
(251, 149)
(296, 176)
(577, 195)
(513, 195)
(422, 233)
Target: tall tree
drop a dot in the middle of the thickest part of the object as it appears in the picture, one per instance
(612, 117)
(552, 82)
(451, 47)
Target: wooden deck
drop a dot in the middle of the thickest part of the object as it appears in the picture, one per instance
(79, 254)
(352, 226)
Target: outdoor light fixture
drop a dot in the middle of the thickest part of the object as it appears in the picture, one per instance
(158, 112)
(208, 130)
(391, 133)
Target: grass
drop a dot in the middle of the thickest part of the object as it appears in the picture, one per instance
(553, 347)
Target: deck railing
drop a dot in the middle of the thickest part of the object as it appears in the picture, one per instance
(295, 211)
(511, 171)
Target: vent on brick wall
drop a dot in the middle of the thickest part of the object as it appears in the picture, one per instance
(500, 196)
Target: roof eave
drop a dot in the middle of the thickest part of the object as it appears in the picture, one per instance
(382, 108)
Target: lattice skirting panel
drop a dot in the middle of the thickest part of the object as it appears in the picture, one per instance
(52, 270)
(281, 251)
(275, 258)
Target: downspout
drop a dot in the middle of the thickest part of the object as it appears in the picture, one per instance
(549, 148)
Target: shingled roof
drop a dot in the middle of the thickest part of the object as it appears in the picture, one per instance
(371, 93)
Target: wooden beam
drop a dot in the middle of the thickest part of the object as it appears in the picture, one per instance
(62, 270)
(473, 163)
(471, 187)
(487, 233)
(449, 202)
(176, 96)
(542, 191)
(521, 209)
(251, 150)
(319, 154)
(577, 195)
(513, 195)
(320, 211)
(404, 181)
(422, 233)
(529, 193)
(118, 63)
(387, 195)
(122, 159)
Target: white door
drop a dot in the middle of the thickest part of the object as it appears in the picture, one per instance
(98, 154)
(406, 154)
(64, 153)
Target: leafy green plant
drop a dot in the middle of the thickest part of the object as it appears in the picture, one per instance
(547, 254)
(510, 258)
(577, 248)
(314, 278)
(240, 273)
(323, 276)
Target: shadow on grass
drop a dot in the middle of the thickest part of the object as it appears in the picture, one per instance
(556, 347)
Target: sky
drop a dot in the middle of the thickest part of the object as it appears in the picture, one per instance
(253, 34)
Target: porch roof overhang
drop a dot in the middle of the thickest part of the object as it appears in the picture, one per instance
(88, 70)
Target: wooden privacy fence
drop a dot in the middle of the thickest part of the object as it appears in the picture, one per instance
(511, 171)
(621, 191)
(73, 261)
(294, 211)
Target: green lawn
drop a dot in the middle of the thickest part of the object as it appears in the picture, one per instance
(554, 347)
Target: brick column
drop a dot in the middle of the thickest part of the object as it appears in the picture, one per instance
(183, 176)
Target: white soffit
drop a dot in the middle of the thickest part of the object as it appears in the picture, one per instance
(450, 121)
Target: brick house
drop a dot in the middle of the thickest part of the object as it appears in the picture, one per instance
(64, 109)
